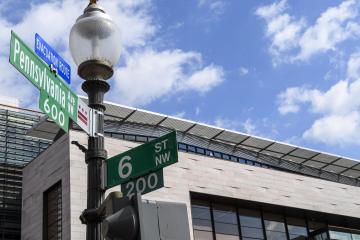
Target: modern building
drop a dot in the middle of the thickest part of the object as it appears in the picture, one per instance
(16, 150)
(235, 186)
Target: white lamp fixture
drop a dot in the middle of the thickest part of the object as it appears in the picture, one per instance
(95, 37)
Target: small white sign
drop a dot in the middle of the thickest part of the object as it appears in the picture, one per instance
(83, 116)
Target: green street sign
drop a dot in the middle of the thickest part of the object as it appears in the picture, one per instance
(38, 73)
(143, 185)
(54, 111)
(64, 102)
(141, 160)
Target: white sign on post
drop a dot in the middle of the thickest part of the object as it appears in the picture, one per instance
(83, 115)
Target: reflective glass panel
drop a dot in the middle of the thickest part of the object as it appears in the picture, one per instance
(274, 226)
(251, 224)
(335, 235)
(225, 221)
(355, 236)
(201, 218)
(296, 227)
(313, 225)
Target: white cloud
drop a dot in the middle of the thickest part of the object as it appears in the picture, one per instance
(334, 26)
(341, 98)
(273, 10)
(291, 38)
(203, 79)
(217, 7)
(149, 75)
(283, 29)
(336, 129)
(134, 17)
(249, 127)
(291, 98)
(197, 110)
(353, 67)
(10, 101)
(57, 34)
(243, 71)
(226, 123)
(180, 114)
(337, 109)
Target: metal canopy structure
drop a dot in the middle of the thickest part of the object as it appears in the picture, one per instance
(287, 154)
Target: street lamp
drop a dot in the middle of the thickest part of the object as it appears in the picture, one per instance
(95, 47)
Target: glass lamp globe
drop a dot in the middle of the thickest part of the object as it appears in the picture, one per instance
(95, 37)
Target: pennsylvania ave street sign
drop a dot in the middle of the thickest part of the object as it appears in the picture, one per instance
(62, 101)
(141, 160)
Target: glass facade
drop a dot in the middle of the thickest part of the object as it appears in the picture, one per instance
(16, 150)
(335, 233)
(215, 221)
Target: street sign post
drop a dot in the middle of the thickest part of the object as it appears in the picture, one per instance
(143, 185)
(52, 58)
(141, 160)
(64, 102)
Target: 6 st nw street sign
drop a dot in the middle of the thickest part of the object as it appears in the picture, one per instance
(62, 101)
(51, 57)
(141, 160)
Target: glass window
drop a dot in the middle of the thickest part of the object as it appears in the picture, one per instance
(182, 146)
(249, 162)
(321, 236)
(296, 227)
(53, 213)
(313, 225)
(141, 138)
(251, 224)
(200, 150)
(355, 236)
(201, 218)
(209, 153)
(225, 222)
(242, 161)
(217, 154)
(226, 157)
(335, 235)
(129, 137)
(191, 148)
(118, 135)
(274, 226)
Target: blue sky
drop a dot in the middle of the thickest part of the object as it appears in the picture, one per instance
(285, 70)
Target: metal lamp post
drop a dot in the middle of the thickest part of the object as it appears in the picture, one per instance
(95, 47)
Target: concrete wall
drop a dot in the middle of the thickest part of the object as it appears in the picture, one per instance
(217, 177)
(39, 175)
